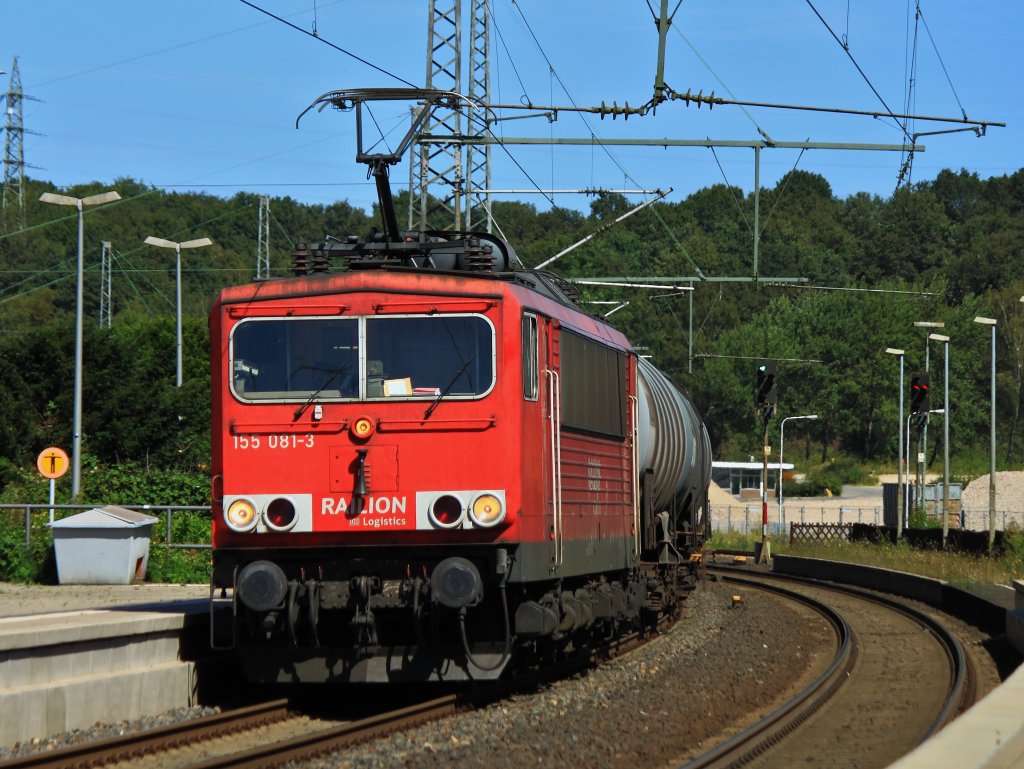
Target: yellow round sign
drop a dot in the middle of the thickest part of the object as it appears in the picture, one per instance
(52, 462)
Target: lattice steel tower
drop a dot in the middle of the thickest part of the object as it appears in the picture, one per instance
(106, 271)
(263, 241)
(442, 193)
(14, 153)
(478, 157)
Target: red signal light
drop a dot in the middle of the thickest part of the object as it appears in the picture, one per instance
(446, 511)
(280, 514)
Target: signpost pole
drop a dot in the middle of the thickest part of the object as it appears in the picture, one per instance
(51, 463)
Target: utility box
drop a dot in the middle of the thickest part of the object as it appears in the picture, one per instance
(103, 546)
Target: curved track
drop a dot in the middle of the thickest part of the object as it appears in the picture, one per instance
(899, 678)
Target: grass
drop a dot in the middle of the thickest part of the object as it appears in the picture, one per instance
(960, 569)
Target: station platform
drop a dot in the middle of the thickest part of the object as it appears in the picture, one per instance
(74, 655)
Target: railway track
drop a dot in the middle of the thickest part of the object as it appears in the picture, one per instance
(266, 734)
(898, 676)
(271, 733)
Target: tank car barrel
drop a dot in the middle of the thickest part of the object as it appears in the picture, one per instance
(672, 439)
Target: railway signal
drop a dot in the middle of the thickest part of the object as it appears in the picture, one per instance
(767, 394)
(766, 398)
(919, 392)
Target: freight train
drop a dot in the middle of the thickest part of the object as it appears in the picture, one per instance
(429, 464)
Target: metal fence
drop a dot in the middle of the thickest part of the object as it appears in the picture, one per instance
(164, 513)
(746, 519)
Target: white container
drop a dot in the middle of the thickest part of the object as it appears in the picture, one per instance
(103, 546)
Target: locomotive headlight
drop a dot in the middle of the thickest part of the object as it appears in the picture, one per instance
(280, 514)
(486, 511)
(446, 512)
(241, 515)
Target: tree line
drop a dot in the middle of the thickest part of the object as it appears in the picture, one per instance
(859, 272)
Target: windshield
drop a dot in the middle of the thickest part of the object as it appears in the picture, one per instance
(294, 359)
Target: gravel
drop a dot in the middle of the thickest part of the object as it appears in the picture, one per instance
(721, 665)
(102, 731)
(1009, 492)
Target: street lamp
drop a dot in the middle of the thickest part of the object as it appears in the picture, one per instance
(161, 243)
(76, 431)
(945, 432)
(992, 440)
(899, 461)
(782, 443)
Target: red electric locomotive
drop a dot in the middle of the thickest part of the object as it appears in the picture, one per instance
(432, 465)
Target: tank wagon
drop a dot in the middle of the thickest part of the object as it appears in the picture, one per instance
(431, 465)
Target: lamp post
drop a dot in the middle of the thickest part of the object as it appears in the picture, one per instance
(899, 461)
(161, 243)
(945, 433)
(782, 444)
(76, 431)
(992, 440)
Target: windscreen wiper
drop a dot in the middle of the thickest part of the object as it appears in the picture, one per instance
(334, 374)
(448, 387)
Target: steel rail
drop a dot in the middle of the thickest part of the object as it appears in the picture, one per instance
(766, 732)
(328, 740)
(159, 738)
(748, 744)
(152, 741)
(961, 689)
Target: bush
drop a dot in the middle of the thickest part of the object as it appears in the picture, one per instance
(35, 563)
(812, 487)
(830, 478)
(169, 564)
(126, 484)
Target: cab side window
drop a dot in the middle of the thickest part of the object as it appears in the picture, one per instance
(531, 385)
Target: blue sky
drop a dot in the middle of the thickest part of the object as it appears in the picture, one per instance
(201, 95)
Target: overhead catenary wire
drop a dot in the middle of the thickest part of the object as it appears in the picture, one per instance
(731, 189)
(565, 90)
(718, 79)
(910, 75)
(942, 64)
(850, 289)
(328, 42)
(867, 80)
(501, 38)
(782, 192)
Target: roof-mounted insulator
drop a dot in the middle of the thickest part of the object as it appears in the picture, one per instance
(479, 259)
(300, 260)
(321, 261)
